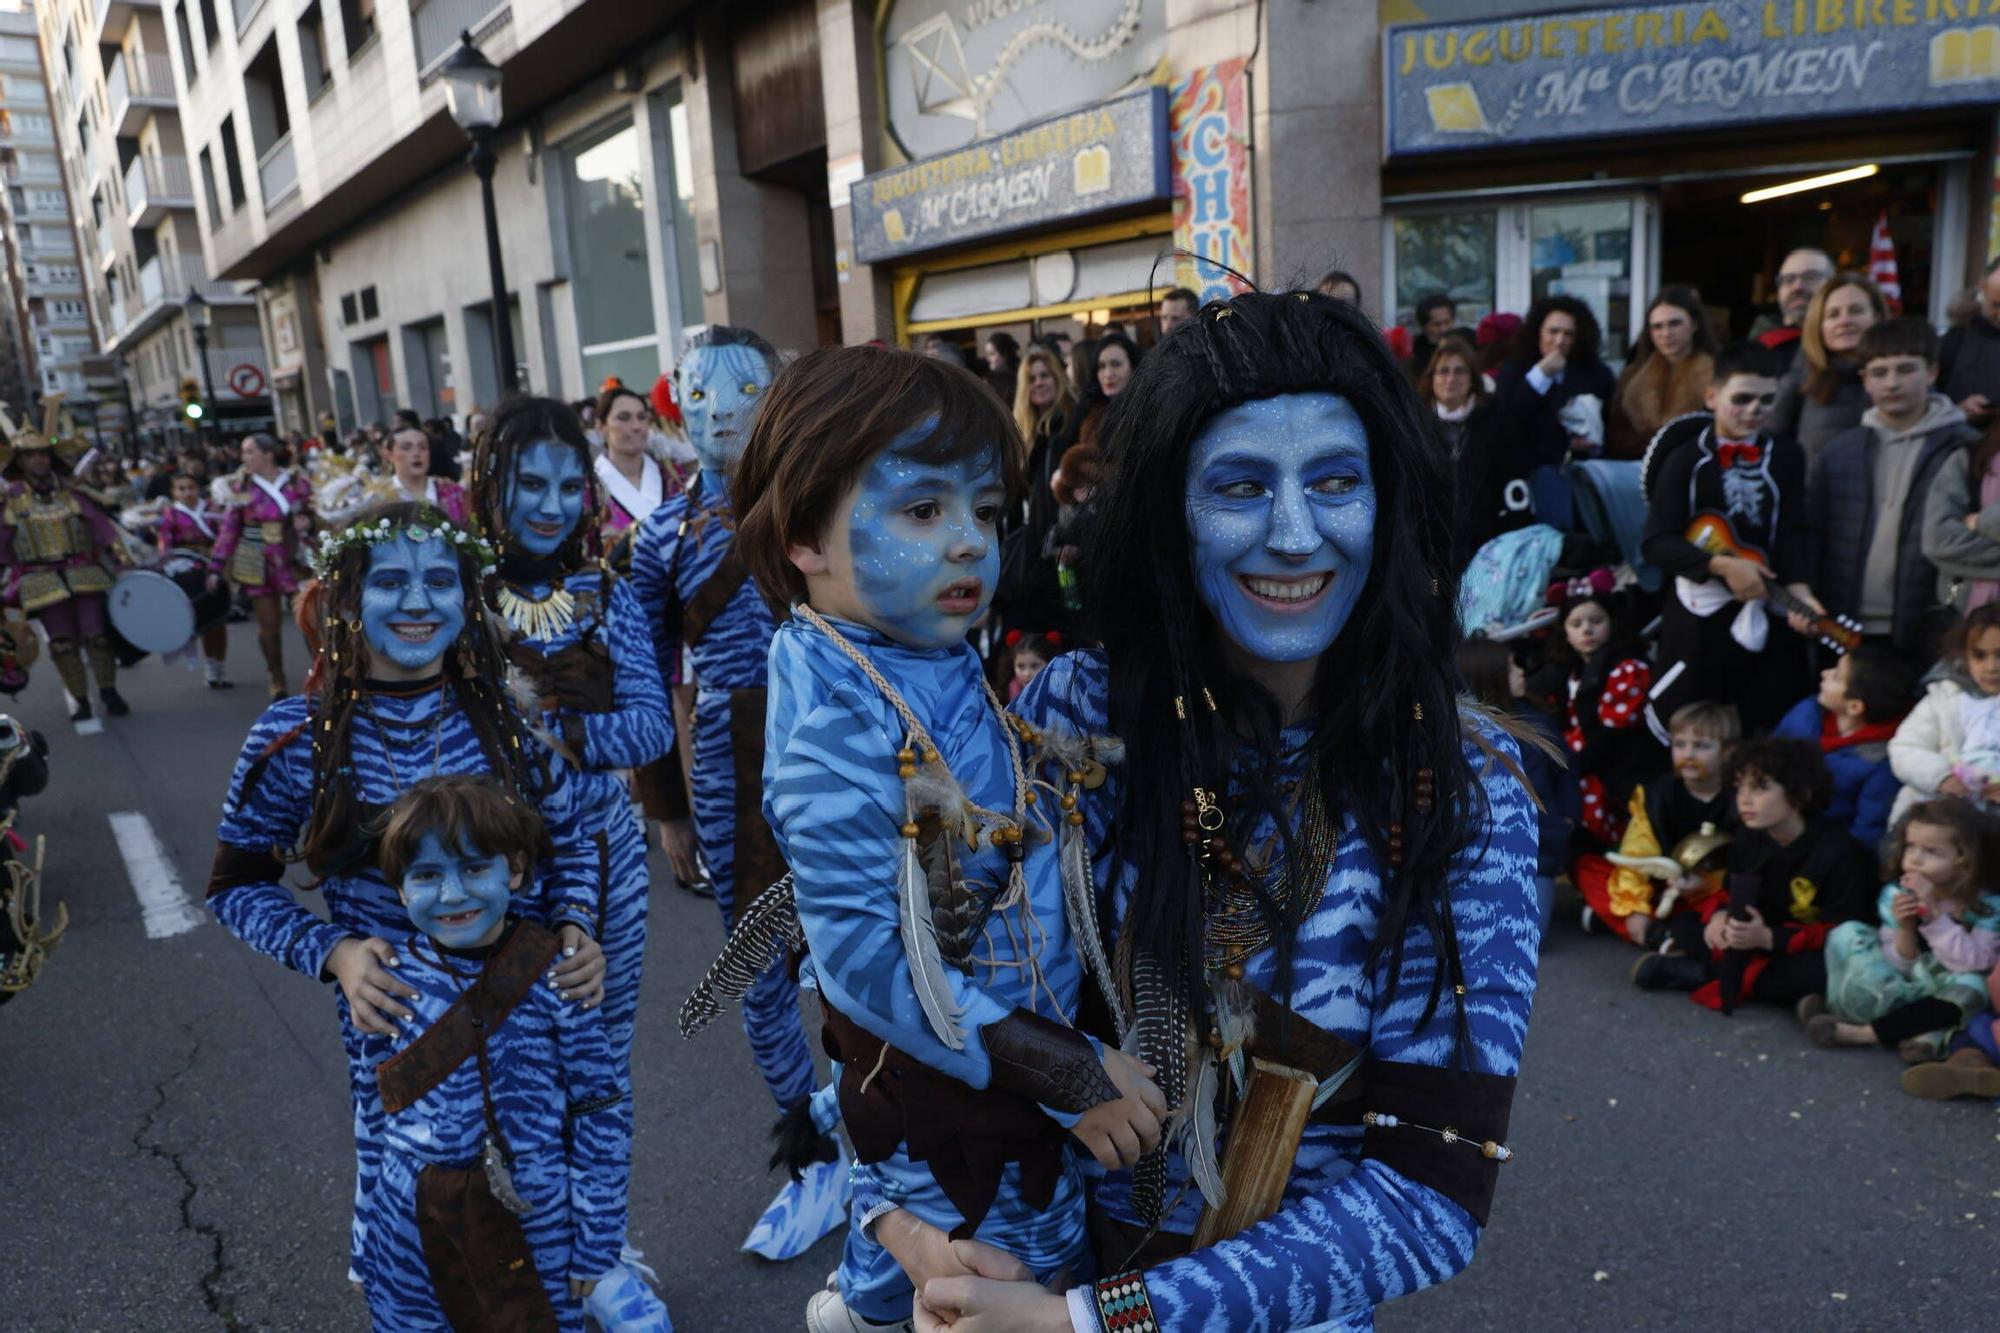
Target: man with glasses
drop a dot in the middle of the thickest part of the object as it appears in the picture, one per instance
(1803, 273)
(1969, 361)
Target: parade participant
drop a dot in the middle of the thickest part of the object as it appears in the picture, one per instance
(697, 595)
(631, 481)
(260, 545)
(1273, 582)
(59, 549)
(190, 523)
(870, 495)
(507, 1138)
(407, 685)
(579, 638)
(410, 458)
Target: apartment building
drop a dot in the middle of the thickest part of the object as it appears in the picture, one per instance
(47, 341)
(118, 122)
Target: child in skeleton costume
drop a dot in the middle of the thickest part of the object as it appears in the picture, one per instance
(923, 877)
(407, 685)
(191, 523)
(508, 1120)
(59, 549)
(260, 548)
(1317, 863)
(578, 643)
(700, 601)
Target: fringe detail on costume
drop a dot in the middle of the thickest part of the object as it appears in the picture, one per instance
(920, 947)
(764, 931)
(1080, 906)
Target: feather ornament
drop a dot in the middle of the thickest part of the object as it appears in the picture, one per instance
(1198, 1132)
(525, 695)
(1079, 888)
(920, 947)
(764, 931)
(1161, 1032)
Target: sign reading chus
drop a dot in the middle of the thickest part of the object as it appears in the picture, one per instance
(1112, 155)
(1652, 68)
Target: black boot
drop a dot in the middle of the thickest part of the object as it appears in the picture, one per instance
(114, 702)
(80, 710)
(1660, 971)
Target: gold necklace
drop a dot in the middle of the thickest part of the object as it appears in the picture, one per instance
(1238, 925)
(541, 618)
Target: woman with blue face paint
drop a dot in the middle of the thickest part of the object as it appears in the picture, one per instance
(712, 638)
(924, 877)
(578, 638)
(1311, 844)
(407, 685)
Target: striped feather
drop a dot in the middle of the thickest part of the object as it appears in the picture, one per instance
(768, 927)
(920, 946)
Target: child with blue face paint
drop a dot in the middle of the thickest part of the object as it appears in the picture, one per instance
(712, 638)
(508, 1119)
(577, 637)
(924, 879)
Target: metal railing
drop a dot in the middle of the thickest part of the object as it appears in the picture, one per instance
(278, 172)
(157, 180)
(438, 23)
(137, 76)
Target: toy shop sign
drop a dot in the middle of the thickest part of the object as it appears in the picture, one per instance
(1109, 156)
(1651, 68)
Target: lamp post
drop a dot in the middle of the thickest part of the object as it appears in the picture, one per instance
(198, 316)
(472, 91)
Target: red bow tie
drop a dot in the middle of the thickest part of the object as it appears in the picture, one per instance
(1749, 455)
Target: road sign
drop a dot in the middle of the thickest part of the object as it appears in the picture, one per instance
(246, 380)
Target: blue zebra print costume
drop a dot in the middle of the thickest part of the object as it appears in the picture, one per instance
(1352, 1232)
(732, 655)
(832, 794)
(399, 735)
(562, 1099)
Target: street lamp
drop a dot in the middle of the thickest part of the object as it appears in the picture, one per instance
(472, 91)
(198, 316)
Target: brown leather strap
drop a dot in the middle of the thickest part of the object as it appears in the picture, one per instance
(460, 1032)
(480, 1264)
(700, 610)
(758, 861)
(1046, 1062)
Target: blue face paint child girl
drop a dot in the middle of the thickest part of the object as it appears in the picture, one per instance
(1281, 522)
(459, 896)
(545, 499)
(719, 389)
(412, 606)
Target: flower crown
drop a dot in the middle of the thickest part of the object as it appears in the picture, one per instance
(429, 523)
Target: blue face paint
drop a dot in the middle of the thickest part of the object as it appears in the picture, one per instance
(457, 897)
(412, 605)
(1281, 522)
(545, 502)
(925, 545)
(720, 390)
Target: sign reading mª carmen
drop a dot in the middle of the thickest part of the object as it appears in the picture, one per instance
(1113, 155)
(1653, 68)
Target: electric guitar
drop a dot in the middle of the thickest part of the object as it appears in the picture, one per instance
(1711, 534)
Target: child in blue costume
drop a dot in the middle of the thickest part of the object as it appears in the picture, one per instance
(1305, 819)
(925, 881)
(508, 1141)
(407, 685)
(577, 639)
(699, 599)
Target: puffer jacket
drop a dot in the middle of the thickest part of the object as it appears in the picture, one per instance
(1929, 741)
(1864, 783)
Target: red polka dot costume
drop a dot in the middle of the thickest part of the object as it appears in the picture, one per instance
(1606, 732)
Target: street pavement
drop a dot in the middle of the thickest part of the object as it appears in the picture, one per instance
(177, 1145)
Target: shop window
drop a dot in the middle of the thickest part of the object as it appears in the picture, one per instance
(1453, 253)
(1585, 250)
(610, 280)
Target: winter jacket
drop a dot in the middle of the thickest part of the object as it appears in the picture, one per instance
(1929, 741)
(1535, 416)
(1864, 784)
(1969, 361)
(1491, 472)
(1796, 415)
(1962, 555)
(1841, 514)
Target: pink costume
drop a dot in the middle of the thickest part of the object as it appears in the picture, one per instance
(626, 505)
(448, 497)
(58, 549)
(259, 546)
(192, 529)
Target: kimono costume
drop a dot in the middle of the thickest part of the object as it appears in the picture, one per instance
(627, 506)
(57, 546)
(400, 734)
(447, 497)
(613, 717)
(833, 797)
(189, 529)
(444, 1253)
(1937, 992)
(258, 550)
(1356, 1228)
(698, 598)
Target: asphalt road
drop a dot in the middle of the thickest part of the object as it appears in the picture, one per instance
(176, 1140)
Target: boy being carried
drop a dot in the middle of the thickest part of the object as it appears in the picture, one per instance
(1852, 719)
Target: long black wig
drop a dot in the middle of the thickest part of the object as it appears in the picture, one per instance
(1383, 702)
(520, 423)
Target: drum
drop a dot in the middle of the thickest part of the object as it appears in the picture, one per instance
(160, 608)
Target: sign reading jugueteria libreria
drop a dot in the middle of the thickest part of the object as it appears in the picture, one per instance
(1650, 68)
(1113, 155)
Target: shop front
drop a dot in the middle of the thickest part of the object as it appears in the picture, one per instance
(1604, 152)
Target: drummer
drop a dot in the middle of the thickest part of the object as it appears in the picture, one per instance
(260, 546)
(190, 522)
(410, 455)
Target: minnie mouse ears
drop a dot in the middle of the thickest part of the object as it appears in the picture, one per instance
(1597, 583)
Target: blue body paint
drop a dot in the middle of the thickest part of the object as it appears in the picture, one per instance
(924, 546)
(412, 603)
(545, 499)
(457, 896)
(720, 390)
(1281, 522)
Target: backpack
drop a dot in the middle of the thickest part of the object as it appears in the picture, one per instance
(1508, 578)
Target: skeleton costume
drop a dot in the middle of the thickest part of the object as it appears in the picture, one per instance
(59, 548)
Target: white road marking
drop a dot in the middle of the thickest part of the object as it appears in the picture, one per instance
(165, 904)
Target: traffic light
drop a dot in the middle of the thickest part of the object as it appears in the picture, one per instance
(191, 404)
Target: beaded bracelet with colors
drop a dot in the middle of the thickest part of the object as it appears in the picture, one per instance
(1122, 1305)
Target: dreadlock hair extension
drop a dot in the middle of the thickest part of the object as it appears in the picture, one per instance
(473, 668)
(1383, 700)
(520, 423)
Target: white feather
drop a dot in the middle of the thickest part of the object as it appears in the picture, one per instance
(1080, 906)
(1199, 1144)
(920, 947)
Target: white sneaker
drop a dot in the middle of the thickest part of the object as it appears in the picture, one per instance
(826, 1312)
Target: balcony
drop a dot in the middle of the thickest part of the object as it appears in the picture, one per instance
(136, 87)
(164, 282)
(154, 186)
(439, 22)
(112, 17)
(278, 172)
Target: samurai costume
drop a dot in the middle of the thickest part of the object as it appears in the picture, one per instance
(59, 548)
(959, 1072)
(260, 551)
(400, 734)
(507, 1145)
(1372, 1209)
(1933, 995)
